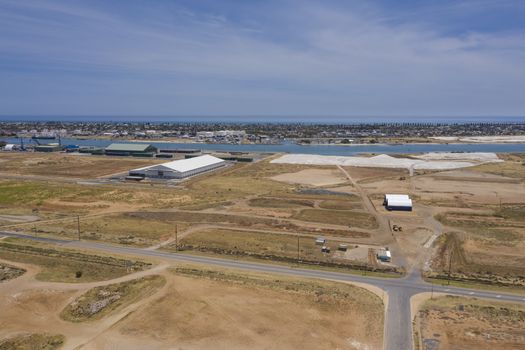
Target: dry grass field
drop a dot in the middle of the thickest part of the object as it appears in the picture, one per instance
(482, 207)
(122, 228)
(338, 217)
(61, 265)
(470, 324)
(257, 244)
(227, 310)
(68, 165)
(34, 341)
(189, 307)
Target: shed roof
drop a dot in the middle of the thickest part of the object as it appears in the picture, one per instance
(396, 197)
(399, 202)
(184, 165)
(129, 147)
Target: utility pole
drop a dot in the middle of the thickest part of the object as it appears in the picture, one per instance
(78, 226)
(298, 257)
(450, 265)
(176, 238)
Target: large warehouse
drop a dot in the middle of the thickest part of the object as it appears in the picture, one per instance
(179, 169)
(398, 202)
(131, 149)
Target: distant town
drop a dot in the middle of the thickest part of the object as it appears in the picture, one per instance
(263, 133)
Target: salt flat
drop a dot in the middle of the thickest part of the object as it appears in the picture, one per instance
(484, 139)
(429, 161)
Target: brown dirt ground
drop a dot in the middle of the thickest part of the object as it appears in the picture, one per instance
(469, 324)
(313, 177)
(69, 165)
(199, 313)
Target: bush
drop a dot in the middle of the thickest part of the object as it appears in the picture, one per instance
(78, 274)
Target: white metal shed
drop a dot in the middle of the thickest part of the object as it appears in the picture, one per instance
(179, 169)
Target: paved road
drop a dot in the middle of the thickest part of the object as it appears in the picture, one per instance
(398, 323)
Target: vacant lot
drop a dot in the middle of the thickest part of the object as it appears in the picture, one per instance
(256, 244)
(68, 165)
(498, 229)
(362, 174)
(282, 203)
(484, 247)
(513, 166)
(340, 204)
(241, 221)
(32, 341)
(240, 181)
(116, 228)
(60, 265)
(338, 217)
(470, 324)
(49, 200)
(102, 301)
(315, 177)
(473, 261)
(215, 309)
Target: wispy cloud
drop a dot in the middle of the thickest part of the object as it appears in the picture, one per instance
(278, 58)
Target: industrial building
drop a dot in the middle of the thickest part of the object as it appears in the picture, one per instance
(131, 149)
(52, 147)
(179, 169)
(398, 202)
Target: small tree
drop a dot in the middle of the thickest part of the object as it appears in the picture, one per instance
(78, 274)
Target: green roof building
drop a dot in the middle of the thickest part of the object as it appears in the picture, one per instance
(131, 149)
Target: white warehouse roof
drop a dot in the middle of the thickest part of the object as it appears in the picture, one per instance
(389, 197)
(184, 165)
(398, 200)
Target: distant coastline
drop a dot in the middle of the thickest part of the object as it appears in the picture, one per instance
(268, 119)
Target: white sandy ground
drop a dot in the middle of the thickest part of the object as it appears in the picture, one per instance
(482, 139)
(427, 161)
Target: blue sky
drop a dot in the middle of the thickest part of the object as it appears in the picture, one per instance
(288, 58)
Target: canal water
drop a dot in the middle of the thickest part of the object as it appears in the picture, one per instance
(287, 147)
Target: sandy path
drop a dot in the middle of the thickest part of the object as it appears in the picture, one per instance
(33, 306)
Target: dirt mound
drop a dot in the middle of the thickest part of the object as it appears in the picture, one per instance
(8, 272)
(33, 341)
(99, 301)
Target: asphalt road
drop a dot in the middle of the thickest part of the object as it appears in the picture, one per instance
(398, 323)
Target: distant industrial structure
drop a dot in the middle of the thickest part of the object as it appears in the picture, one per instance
(398, 202)
(131, 149)
(179, 169)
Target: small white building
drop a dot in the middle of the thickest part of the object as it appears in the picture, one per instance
(398, 202)
(10, 147)
(384, 255)
(180, 169)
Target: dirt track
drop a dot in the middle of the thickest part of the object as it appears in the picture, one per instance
(187, 311)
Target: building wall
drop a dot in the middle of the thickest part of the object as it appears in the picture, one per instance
(170, 174)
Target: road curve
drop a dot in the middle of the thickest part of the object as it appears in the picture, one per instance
(398, 323)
